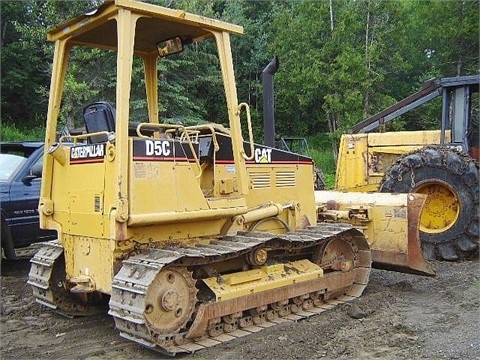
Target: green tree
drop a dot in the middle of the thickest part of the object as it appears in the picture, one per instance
(444, 42)
(26, 57)
(23, 64)
(446, 36)
(340, 61)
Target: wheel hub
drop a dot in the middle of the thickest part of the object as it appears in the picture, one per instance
(336, 255)
(441, 209)
(170, 300)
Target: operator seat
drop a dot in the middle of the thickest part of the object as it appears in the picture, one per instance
(99, 116)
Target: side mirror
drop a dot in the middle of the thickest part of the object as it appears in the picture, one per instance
(36, 170)
(170, 46)
(35, 173)
(27, 180)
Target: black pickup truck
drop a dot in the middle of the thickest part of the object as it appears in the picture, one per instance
(20, 179)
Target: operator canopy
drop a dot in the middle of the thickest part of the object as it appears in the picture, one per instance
(98, 28)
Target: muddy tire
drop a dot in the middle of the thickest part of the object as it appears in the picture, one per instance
(449, 224)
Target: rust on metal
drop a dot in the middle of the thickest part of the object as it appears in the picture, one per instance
(413, 262)
(222, 308)
(132, 303)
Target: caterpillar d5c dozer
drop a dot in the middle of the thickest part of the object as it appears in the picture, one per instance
(193, 235)
(442, 164)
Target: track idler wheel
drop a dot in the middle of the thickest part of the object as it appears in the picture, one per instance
(336, 255)
(170, 300)
(343, 255)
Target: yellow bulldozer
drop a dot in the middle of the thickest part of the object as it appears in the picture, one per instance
(442, 164)
(191, 235)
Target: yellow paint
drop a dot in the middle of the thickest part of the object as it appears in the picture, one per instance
(441, 210)
(363, 159)
(103, 210)
(383, 220)
(234, 285)
(83, 261)
(351, 165)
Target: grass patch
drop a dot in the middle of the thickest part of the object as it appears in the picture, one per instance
(325, 161)
(9, 132)
(321, 152)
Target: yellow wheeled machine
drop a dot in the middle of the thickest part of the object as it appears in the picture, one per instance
(192, 235)
(441, 164)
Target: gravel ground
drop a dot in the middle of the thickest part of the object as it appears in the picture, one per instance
(399, 316)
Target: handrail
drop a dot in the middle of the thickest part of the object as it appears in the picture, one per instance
(110, 136)
(250, 132)
(155, 127)
(193, 133)
(214, 128)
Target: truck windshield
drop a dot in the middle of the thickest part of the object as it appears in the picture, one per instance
(9, 164)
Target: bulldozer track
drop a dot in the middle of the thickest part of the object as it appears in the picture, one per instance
(208, 325)
(48, 283)
(41, 273)
(204, 323)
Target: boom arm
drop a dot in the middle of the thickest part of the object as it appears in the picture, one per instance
(429, 91)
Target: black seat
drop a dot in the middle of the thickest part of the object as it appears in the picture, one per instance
(99, 116)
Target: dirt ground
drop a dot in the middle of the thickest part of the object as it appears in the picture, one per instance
(399, 317)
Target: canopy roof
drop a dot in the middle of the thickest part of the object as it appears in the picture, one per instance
(98, 28)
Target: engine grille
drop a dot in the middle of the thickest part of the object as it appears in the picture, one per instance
(260, 180)
(285, 179)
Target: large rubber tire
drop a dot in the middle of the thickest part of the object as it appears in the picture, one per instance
(449, 225)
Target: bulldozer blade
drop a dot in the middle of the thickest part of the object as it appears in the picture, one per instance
(390, 223)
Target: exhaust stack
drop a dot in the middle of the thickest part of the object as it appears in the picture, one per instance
(268, 102)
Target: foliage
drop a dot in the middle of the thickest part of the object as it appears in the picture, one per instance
(336, 72)
(12, 133)
(320, 146)
(340, 62)
(24, 81)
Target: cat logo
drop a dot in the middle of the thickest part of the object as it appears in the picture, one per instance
(263, 156)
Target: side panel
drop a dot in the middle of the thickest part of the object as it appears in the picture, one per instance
(404, 138)
(351, 164)
(363, 159)
(82, 199)
(275, 176)
(284, 185)
(162, 179)
(78, 191)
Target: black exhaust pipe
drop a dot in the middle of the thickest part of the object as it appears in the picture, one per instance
(268, 102)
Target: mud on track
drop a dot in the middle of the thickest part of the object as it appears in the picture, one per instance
(399, 316)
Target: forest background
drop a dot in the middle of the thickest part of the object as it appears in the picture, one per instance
(340, 62)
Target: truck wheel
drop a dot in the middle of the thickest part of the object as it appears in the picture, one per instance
(8, 248)
(449, 223)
